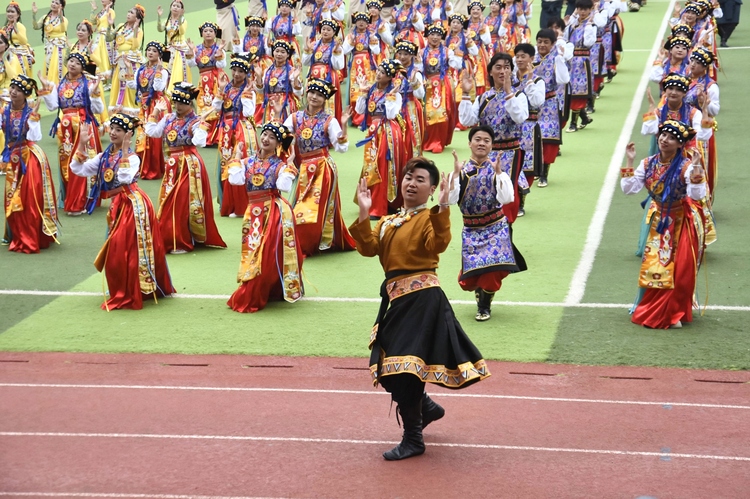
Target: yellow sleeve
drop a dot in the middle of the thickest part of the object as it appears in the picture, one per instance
(19, 37)
(183, 28)
(65, 25)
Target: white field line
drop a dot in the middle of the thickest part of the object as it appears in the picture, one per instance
(246, 438)
(372, 392)
(734, 48)
(121, 495)
(544, 304)
(596, 227)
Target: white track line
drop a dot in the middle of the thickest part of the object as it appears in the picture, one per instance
(543, 304)
(370, 442)
(596, 227)
(734, 48)
(124, 496)
(373, 392)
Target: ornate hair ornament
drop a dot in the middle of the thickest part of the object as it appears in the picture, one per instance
(473, 4)
(374, 4)
(678, 81)
(213, 26)
(678, 40)
(255, 21)
(127, 123)
(321, 86)
(391, 67)
(361, 16)
(678, 129)
(703, 56)
(242, 61)
(407, 46)
(435, 28)
(24, 83)
(184, 92)
(331, 24)
(282, 133)
(285, 45)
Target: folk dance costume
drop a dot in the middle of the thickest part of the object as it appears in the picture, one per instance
(76, 102)
(488, 254)
(19, 46)
(516, 28)
(54, 34)
(88, 49)
(286, 28)
(685, 113)
(597, 56)
(412, 96)
(708, 86)
(228, 20)
(494, 23)
(104, 50)
(461, 48)
(681, 66)
(150, 83)
(582, 34)
(175, 38)
(531, 133)
(381, 28)
(236, 130)
(326, 60)
(128, 40)
(186, 213)
(133, 257)
(271, 262)
(10, 68)
(384, 144)
(258, 47)
(365, 49)
(479, 33)
(317, 201)
(439, 101)
(408, 24)
(553, 70)
(332, 10)
(279, 89)
(675, 244)
(431, 12)
(210, 61)
(30, 207)
(505, 114)
(416, 338)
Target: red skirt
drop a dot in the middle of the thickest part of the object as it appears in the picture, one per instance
(74, 190)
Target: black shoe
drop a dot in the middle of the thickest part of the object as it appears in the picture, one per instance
(723, 44)
(431, 411)
(521, 212)
(589, 110)
(572, 128)
(542, 182)
(412, 443)
(485, 300)
(585, 120)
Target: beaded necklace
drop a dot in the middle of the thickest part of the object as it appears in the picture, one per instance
(400, 218)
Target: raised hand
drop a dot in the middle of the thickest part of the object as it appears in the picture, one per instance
(630, 152)
(190, 45)
(85, 136)
(159, 11)
(467, 82)
(456, 165)
(238, 152)
(126, 141)
(223, 81)
(696, 176)
(498, 166)
(278, 109)
(345, 116)
(292, 155)
(46, 85)
(34, 8)
(93, 5)
(364, 200)
(444, 190)
(677, 9)
(111, 17)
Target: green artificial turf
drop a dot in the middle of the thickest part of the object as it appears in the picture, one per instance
(551, 237)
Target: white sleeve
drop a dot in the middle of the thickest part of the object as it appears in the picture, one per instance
(562, 74)
(296, 28)
(718, 13)
(656, 73)
(236, 49)
(393, 107)
(589, 35)
(569, 50)
(131, 84)
(713, 106)
(521, 20)
(192, 62)
(337, 61)
(634, 184)
(361, 104)
(155, 130)
(334, 132)
(455, 61)
(248, 105)
(199, 135)
(34, 133)
(375, 48)
(419, 93)
(701, 133)
(346, 46)
(284, 182)
(50, 100)
(455, 191)
(236, 175)
(217, 102)
(518, 107)
(695, 191)
(339, 13)
(418, 22)
(306, 58)
(468, 112)
(435, 14)
(160, 83)
(535, 92)
(473, 50)
(504, 187)
(650, 127)
(127, 174)
(502, 31)
(97, 105)
(387, 36)
(222, 63)
(600, 19)
(486, 37)
(289, 123)
(87, 168)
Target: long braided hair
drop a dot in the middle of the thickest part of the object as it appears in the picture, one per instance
(46, 16)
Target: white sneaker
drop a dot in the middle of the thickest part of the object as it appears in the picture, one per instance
(178, 252)
(234, 215)
(676, 325)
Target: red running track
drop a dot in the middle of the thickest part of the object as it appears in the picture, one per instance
(81, 425)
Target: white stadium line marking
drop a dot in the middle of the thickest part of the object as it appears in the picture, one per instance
(544, 304)
(362, 392)
(596, 227)
(370, 442)
(122, 495)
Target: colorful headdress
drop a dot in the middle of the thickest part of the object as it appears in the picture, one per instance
(88, 23)
(284, 45)
(436, 28)
(321, 86)
(407, 46)
(140, 8)
(704, 56)
(282, 133)
(288, 3)
(678, 40)
(678, 81)
(374, 4)
(331, 24)
(391, 67)
(460, 18)
(26, 84)
(682, 132)
(213, 26)
(80, 57)
(475, 3)
(184, 92)
(361, 16)
(255, 21)
(683, 30)
(127, 123)
(242, 62)
(695, 8)
(160, 47)
(705, 5)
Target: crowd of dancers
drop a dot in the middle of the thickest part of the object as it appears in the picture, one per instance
(407, 75)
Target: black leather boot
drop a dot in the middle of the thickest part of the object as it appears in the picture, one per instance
(431, 411)
(412, 443)
(543, 179)
(573, 125)
(585, 119)
(484, 306)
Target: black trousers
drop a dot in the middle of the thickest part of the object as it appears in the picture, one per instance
(406, 389)
(550, 10)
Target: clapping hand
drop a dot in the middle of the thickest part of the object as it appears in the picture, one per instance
(238, 153)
